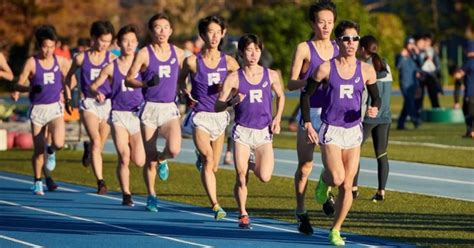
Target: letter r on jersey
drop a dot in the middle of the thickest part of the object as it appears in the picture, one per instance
(346, 90)
(48, 78)
(94, 73)
(213, 78)
(255, 96)
(164, 71)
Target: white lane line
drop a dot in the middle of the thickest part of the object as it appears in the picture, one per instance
(20, 241)
(102, 223)
(433, 145)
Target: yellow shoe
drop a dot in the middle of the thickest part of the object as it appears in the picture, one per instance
(335, 238)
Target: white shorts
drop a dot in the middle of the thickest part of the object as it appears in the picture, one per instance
(42, 114)
(251, 137)
(212, 123)
(126, 119)
(345, 138)
(315, 114)
(156, 114)
(101, 110)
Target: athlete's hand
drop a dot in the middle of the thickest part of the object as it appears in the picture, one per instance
(15, 95)
(190, 101)
(372, 111)
(68, 106)
(36, 88)
(311, 135)
(100, 97)
(155, 80)
(276, 126)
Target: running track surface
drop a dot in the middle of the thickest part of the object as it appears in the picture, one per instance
(74, 216)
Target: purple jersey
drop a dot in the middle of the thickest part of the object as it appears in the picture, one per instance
(206, 83)
(50, 80)
(90, 72)
(168, 72)
(124, 98)
(316, 100)
(343, 105)
(255, 110)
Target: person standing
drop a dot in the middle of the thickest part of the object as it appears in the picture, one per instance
(466, 72)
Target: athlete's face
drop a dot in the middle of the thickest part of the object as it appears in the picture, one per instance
(47, 48)
(214, 34)
(129, 43)
(348, 42)
(162, 30)
(252, 54)
(323, 24)
(103, 42)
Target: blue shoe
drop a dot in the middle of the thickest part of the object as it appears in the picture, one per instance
(199, 162)
(152, 204)
(163, 170)
(51, 161)
(38, 188)
(219, 212)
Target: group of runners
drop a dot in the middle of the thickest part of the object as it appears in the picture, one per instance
(133, 96)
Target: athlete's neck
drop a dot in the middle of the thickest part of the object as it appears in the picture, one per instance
(161, 47)
(211, 53)
(252, 70)
(97, 52)
(347, 60)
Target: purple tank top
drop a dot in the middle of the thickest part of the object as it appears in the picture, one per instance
(50, 79)
(343, 105)
(206, 82)
(255, 111)
(124, 98)
(168, 72)
(317, 99)
(90, 72)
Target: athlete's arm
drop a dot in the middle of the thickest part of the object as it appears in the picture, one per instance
(299, 57)
(77, 62)
(65, 65)
(189, 67)
(5, 71)
(28, 70)
(104, 74)
(140, 62)
(275, 78)
(180, 55)
(231, 82)
(368, 73)
(232, 64)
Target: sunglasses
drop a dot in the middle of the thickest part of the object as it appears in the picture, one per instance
(348, 38)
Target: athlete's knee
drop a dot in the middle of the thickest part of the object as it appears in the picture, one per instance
(174, 151)
(241, 178)
(338, 178)
(305, 169)
(265, 178)
(139, 160)
(380, 153)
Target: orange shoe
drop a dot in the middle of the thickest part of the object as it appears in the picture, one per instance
(244, 222)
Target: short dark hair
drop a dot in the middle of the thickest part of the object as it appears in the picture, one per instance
(319, 6)
(155, 17)
(204, 24)
(344, 25)
(125, 30)
(45, 32)
(248, 39)
(100, 28)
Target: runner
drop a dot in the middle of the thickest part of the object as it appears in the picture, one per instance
(207, 70)
(254, 126)
(308, 56)
(45, 72)
(126, 103)
(94, 114)
(159, 64)
(340, 135)
(5, 70)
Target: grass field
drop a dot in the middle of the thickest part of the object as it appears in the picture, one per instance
(411, 218)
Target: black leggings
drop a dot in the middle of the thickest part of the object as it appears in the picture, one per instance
(380, 134)
(468, 111)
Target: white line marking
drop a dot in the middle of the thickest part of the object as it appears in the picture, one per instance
(102, 223)
(20, 241)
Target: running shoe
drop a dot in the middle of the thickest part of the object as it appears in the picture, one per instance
(50, 184)
(50, 161)
(377, 197)
(244, 222)
(219, 212)
(335, 238)
(101, 187)
(38, 188)
(163, 171)
(86, 156)
(127, 200)
(322, 190)
(199, 161)
(304, 225)
(151, 204)
(328, 206)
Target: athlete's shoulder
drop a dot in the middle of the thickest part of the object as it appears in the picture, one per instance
(179, 51)
(191, 61)
(303, 47)
(232, 64)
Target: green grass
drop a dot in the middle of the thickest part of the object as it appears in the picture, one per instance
(411, 218)
(434, 133)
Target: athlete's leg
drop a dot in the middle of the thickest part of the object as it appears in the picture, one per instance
(37, 159)
(171, 132)
(203, 144)
(121, 141)
(241, 158)
(367, 130)
(350, 159)
(264, 162)
(137, 149)
(150, 135)
(334, 172)
(57, 131)
(217, 147)
(91, 123)
(305, 166)
(380, 137)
